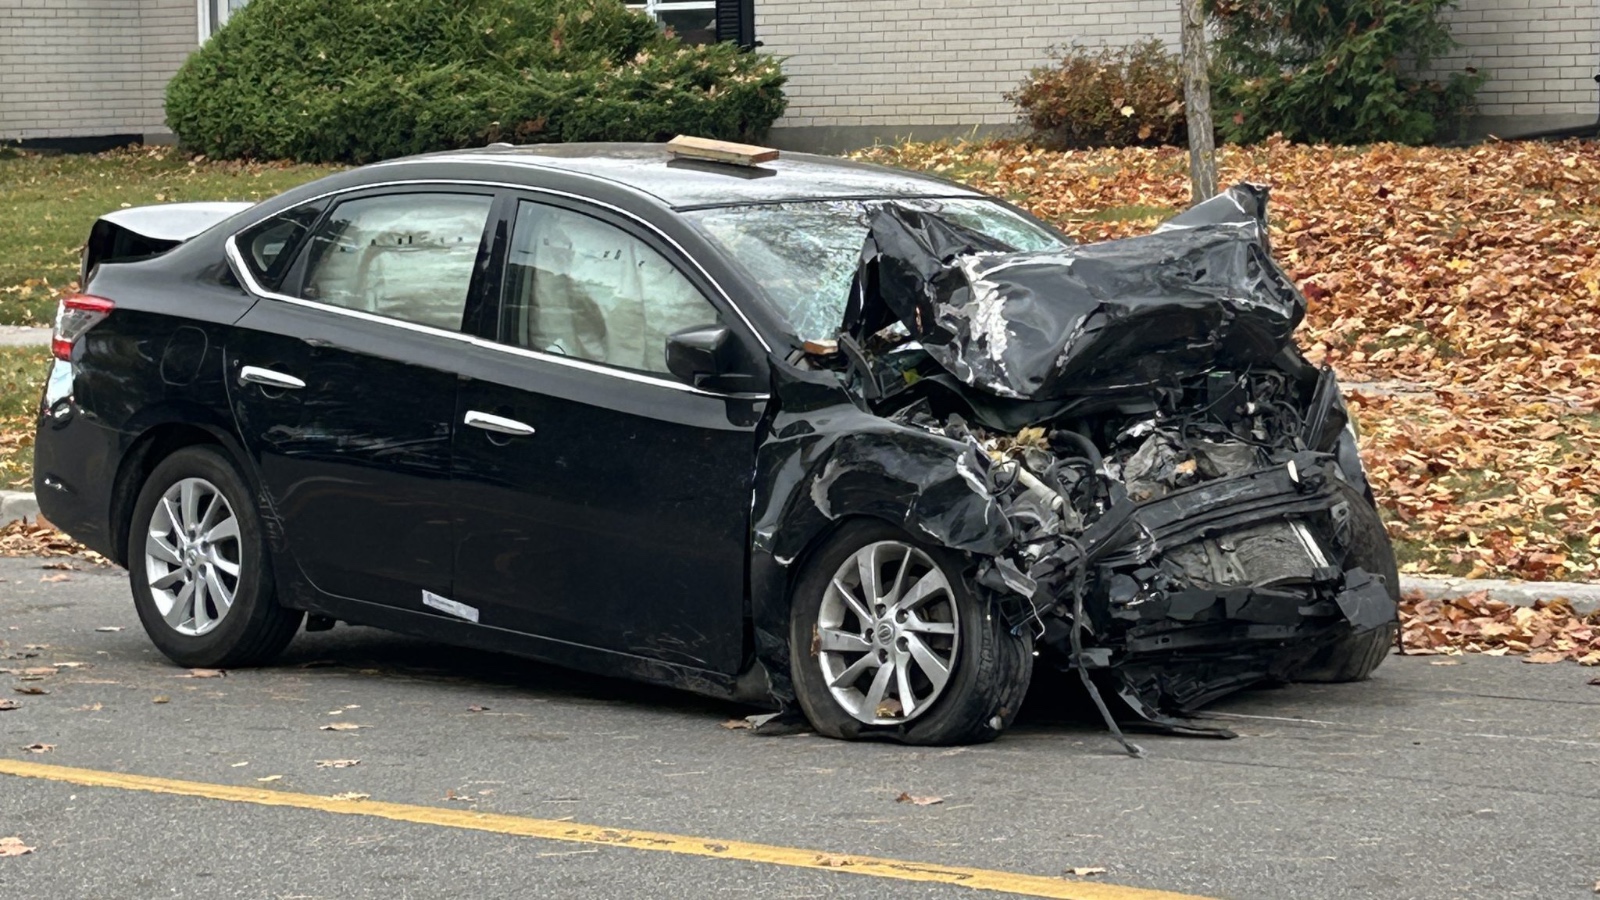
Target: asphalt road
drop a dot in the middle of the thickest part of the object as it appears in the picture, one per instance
(1480, 779)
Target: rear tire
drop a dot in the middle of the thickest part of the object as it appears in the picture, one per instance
(199, 567)
(1354, 657)
(988, 667)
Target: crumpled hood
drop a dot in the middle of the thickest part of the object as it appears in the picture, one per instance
(1199, 293)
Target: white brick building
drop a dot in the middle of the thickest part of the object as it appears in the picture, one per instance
(860, 70)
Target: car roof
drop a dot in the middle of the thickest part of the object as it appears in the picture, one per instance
(686, 184)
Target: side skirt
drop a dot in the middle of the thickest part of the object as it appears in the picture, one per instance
(549, 650)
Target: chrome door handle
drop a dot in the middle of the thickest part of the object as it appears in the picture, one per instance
(498, 424)
(269, 378)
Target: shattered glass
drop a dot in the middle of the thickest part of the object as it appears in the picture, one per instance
(805, 254)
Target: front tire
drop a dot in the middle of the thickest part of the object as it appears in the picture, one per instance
(888, 641)
(199, 567)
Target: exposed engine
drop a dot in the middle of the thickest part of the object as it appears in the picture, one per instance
(1150, 476)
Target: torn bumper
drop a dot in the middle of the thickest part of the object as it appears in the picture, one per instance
(1213, 588)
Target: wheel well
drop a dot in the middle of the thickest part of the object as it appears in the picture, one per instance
(802, 560)
(142, 457)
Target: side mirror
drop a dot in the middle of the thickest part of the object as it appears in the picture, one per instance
(698, 354)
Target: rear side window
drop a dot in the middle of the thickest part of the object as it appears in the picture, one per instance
(405, 256)
(268, 247)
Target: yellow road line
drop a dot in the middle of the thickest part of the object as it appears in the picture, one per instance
(548, 829)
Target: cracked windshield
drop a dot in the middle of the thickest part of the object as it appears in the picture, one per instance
(804, 254)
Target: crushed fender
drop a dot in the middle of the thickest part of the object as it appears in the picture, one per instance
(1123, 439)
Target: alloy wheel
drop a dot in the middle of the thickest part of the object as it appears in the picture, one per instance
(887, 633)
(193, 556)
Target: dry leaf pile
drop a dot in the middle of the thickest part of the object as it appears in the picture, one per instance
(1547, 632)
(1458, 289)
(30, 538)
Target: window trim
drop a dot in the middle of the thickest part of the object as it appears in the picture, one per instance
(208, 24)
(653, 8)
(235, 257)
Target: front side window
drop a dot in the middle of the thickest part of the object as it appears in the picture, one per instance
(805, 254)
(404, 256)
(577, 286)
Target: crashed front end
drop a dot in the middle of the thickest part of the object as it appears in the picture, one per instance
(1145, 472)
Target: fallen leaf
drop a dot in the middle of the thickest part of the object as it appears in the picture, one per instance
(476, 708)
(350, 795)
(1086, 870)
(1595, 681)
(1543, 658)
(833, 862)
(161, 699)
(9, 704)
(239, 764)
(109, 628)
(268, 778)
(58, 577)
(450, 794)
(918, 801)
(39, 670)
(736, 724)
(1444, 662)
(337, 763)
(29, 689)
(340, 726)
(90, 707)
(204, 673)
(39, 748)
(59, 565)
(13, 846)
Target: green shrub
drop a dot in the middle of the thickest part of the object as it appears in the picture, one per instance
(1108, 96)
(1335, 71)
(359, 80)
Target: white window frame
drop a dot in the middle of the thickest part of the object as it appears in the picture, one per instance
(653, 8)
(203, 11)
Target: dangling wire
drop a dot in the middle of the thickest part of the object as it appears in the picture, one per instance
(1133, 749)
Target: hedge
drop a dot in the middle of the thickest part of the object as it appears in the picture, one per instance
(361, 80)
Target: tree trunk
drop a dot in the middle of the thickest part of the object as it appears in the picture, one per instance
(1197, 103)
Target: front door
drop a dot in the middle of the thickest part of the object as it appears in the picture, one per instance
(601, 501)
(344, 393)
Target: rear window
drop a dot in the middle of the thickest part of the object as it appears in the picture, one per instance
(268, 247)
(804, 254)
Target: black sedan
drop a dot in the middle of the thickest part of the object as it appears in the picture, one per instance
(844, 441)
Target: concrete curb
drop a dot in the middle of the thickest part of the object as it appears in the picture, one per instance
(23, 336)
(1585, 598)
(16, 505)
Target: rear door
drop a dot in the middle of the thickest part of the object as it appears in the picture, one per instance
(600, 500)
(344, 393)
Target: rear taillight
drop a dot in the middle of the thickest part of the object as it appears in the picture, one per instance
(75, 315)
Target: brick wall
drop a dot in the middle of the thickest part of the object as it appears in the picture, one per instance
(1541, 56)
(862, 66)
(933, 62)
(88, 68)
(72, 68)
(171, 33)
